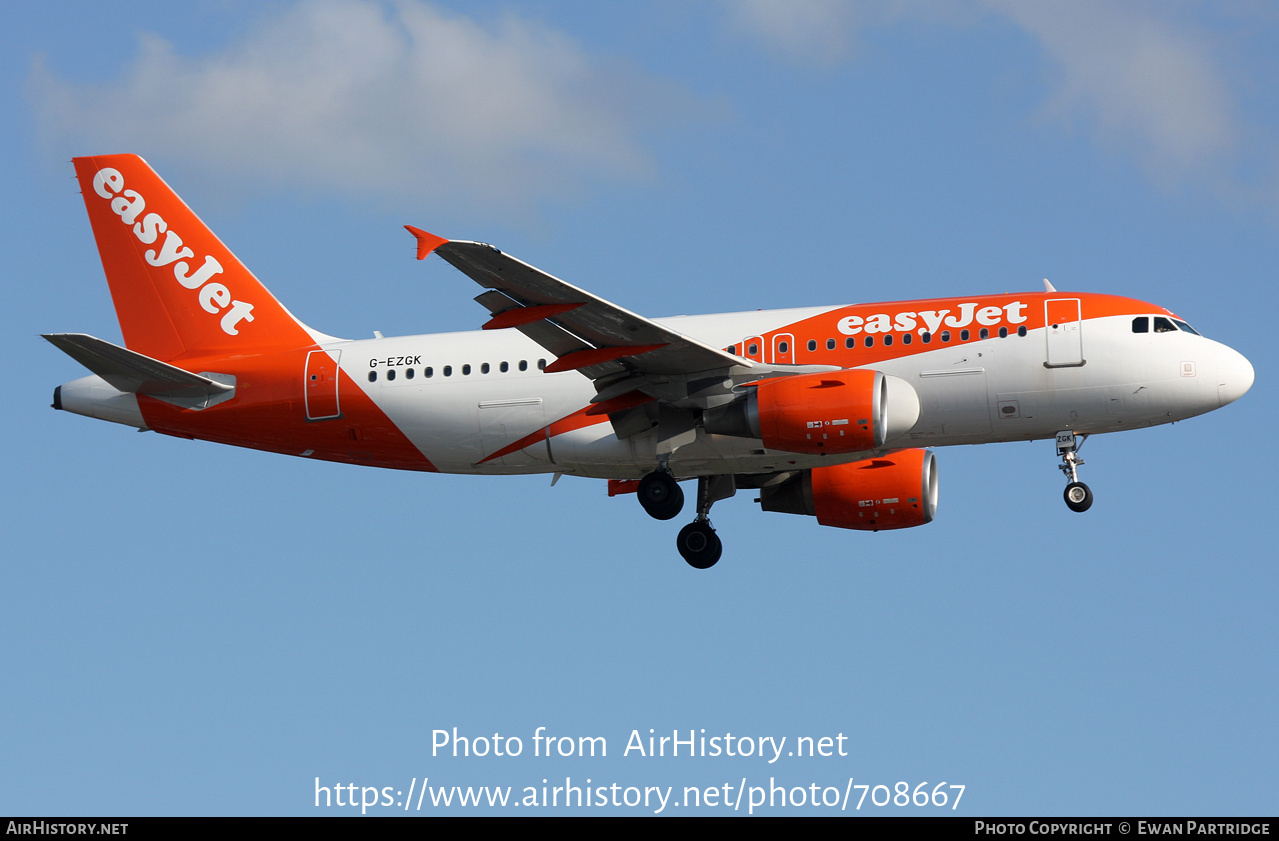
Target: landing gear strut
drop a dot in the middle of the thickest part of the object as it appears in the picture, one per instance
(1078, 495)
(697, 542)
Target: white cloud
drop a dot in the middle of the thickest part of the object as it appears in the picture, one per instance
(806, 31)
(410, 102)
(1136, 82)
(1124, 73)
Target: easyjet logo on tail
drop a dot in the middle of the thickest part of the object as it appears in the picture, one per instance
(212, 296)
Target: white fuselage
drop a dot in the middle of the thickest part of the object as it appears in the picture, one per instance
(472, 394)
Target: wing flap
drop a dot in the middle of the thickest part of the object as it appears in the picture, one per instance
(518, 316)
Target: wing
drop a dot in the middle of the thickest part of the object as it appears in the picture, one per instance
(645, 373)
(585, 332)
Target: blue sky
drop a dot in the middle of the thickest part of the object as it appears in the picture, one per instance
(193, 629)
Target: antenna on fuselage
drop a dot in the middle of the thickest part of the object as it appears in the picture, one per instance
(1048, 287)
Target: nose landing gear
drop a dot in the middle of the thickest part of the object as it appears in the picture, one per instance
(1078, 495)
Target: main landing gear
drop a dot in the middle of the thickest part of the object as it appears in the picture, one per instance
(660, 494)
(699, 545)
(1078, 495)
(661, 497)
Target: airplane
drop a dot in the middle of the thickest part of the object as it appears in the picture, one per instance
(829, 412)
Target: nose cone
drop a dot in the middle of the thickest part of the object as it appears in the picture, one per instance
(1234, 376)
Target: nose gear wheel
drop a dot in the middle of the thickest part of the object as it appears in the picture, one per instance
(1078, 496)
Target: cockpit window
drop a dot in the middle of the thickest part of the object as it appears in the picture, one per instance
(1184, 326)
(1141, 324)
(1164, 325)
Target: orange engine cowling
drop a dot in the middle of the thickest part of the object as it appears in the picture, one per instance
(835, 412)
(840, 412)
(896, 491)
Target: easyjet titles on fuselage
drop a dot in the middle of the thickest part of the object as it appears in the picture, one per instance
(213, 297)
(906, 321)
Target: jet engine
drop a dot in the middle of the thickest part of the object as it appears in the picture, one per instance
(896, 491)
(838, 412)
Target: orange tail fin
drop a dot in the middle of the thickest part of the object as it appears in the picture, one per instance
(177, 289)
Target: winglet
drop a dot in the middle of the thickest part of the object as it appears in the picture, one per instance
(426, 243)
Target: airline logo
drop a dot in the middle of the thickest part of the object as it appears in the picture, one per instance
(933, 320)
(213, 297)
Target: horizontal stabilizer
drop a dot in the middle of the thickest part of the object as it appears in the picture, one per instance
(134, 373)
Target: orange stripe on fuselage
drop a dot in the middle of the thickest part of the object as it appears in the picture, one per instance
(895, 320)
(568, 423)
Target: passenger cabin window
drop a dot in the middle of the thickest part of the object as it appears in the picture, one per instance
(812, 344)
(372, 376)
(850, 343)
(830, 344)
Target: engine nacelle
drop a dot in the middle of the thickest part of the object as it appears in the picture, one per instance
(838, 412)
(896, 491)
